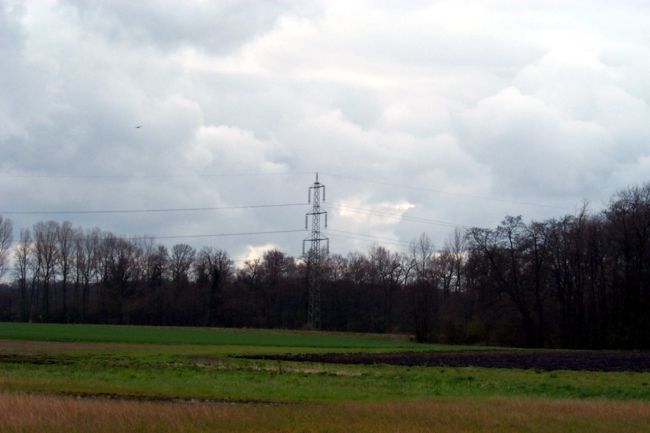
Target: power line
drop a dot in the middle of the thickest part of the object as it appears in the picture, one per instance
(365, 237)
(215, 235)
(401, 216)
(159, 210)
(291, 173)
(144, 176)
(439, 191)
(368, 240)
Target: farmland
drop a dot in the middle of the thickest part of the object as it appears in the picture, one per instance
(76, 377)
(546, 360)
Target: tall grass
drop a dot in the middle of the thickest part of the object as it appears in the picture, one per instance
(50, 414)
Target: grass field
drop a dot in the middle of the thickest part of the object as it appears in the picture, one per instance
(204, 336)
(181, 379)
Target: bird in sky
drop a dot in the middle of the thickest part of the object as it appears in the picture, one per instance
(138, 127)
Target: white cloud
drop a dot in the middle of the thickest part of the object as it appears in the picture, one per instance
(255, 252)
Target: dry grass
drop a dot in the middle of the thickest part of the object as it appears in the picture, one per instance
(52, 414)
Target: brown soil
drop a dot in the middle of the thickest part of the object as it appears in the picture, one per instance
(530, 359)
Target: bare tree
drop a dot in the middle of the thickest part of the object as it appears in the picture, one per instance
(387, 271)
(422, 250)
(457, 246)
(65, 246)
(45, 237)
(181, 261)
(158, 265)
(423, 289)
(358, 270)
(536, 247)
(6, 237)
(336, 266)
(86, 264)
(505, 250)
(22, 256)
(214, 268)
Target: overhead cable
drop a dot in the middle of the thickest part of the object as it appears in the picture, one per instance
(217, 235)
(439, 191)
(158, 210)
(398, 215)
(366, 237)
(147, 176)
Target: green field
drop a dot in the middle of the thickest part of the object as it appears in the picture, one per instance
(204, 336)
(48, 364)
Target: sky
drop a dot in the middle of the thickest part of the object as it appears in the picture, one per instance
(418, 116)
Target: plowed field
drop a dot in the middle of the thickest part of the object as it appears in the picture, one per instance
(545, 360)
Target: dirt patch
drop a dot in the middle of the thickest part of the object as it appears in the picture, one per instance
(545, 360)
(34, 359)
(163, 398)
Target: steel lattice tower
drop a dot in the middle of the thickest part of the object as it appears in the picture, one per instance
(314, 254)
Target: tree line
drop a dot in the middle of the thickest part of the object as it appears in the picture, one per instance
(579, 281)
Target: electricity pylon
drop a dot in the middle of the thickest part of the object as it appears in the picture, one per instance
(314, 253)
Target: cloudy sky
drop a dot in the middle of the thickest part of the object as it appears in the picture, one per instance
(417, 117)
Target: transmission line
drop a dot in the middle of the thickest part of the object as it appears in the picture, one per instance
(365, 237)
(145, 176)
(412, 218)
(158, 210)
(217, 235)
(439, 191)
(196, 236)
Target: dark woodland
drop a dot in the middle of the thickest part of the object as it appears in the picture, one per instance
(579, 281)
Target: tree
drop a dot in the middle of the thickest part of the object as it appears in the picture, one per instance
(504, 251)
(65, 246)
(6, 238)
(423, 289)
(181, 261)
(45, 238)
(536, 250)
(214, 268)
(628, 217)
(86, 256)
(386, 269)
(22, 256)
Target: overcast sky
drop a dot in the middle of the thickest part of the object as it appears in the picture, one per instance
(444, 113)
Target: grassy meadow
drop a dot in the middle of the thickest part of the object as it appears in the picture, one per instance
(62, 378)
